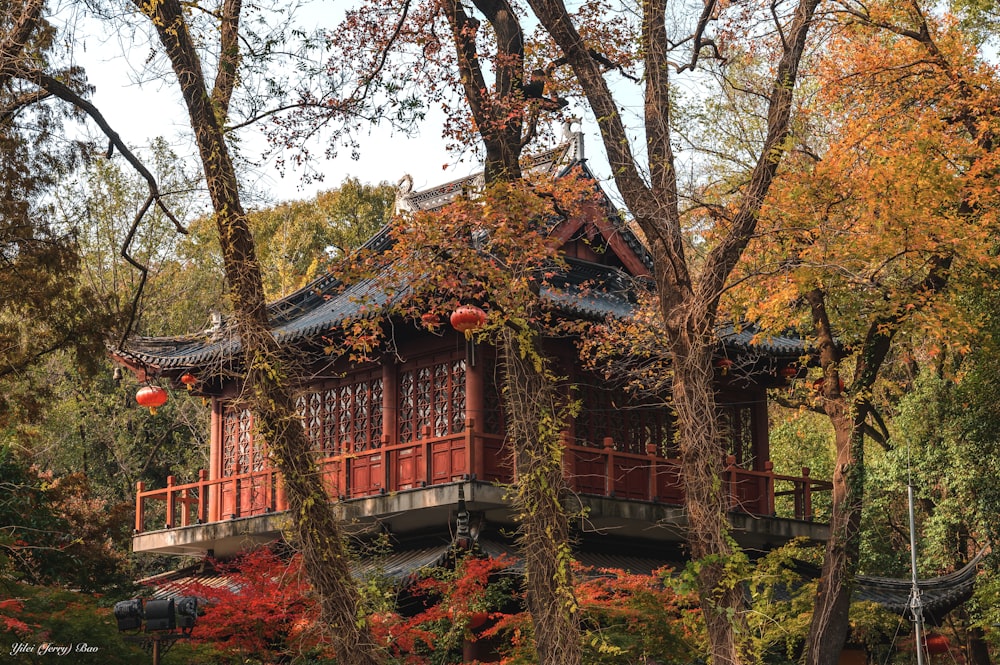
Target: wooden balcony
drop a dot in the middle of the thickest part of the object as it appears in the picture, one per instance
(471, 455)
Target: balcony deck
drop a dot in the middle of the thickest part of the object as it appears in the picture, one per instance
(417, 480)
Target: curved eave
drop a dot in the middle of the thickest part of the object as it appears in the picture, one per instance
(303, 316)
(313, 319)
(586, 304)
(938, 595)
(749, 339)
(621, 228)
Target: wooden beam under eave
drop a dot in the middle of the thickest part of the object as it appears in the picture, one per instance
(143, 371)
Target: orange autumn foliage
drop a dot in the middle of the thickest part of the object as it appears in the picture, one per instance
(897, 174)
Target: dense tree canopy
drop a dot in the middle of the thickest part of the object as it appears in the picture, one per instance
(890, 200)
(845, 184)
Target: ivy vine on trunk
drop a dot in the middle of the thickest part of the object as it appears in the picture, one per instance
(689, 303)
(269, 380)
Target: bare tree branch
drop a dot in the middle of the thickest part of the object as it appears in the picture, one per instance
(229, 55)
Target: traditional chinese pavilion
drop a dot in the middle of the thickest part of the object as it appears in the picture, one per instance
(406, 443)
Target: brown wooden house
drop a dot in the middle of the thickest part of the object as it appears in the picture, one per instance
(400, 441)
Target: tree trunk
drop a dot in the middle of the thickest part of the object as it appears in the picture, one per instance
(848, 414)
(829, 627)
(536, 419)
(688, 306)
(533, 408)
(317, 530)
(706, 501)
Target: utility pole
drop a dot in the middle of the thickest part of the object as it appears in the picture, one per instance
(916, 605)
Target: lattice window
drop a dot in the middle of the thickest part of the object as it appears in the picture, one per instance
(360, 415)
(344, 416)
(230, 433)
(241, 452)
(301, 408)
(407, 406)
(456, 403)
(440, 385)
(630, 423)
(432, 396)
(736, 424)
(375, 413)
(315, 412)
(423, 402)
(328, 424)
(649, 424)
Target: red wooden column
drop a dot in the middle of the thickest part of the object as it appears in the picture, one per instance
(390, 424)
(569, 459)
(170, 503)
(215, 461)
(390, 400)
(475, 412)
(767, 500)
(761, 435)
(609, 480)
(807, 506)
(654, 480)
(140, 509)
(202, 493)
(280, 499)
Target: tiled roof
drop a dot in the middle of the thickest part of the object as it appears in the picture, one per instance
(402, 566)
(305, 315)
(587, 290)
(749, 338)
(325, 304)
(553, 162)
(939, 595)
(595, 561)
(177, 583)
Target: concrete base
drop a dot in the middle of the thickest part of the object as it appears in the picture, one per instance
(432, 508)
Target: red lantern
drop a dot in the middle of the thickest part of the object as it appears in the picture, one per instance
(151, 397)
(724, 364)
(789, 372)
(189, 380)
(936, 643)
(468, 318)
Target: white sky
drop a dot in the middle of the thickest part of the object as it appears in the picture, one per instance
(141, 108)
(141, 112)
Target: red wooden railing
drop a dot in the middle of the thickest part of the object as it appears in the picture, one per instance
(439, 460)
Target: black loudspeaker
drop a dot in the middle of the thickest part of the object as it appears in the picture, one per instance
(160, 615)
(128, 614)
(187, 612)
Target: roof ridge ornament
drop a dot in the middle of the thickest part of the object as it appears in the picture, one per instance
(574, 138)
(404, 188)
